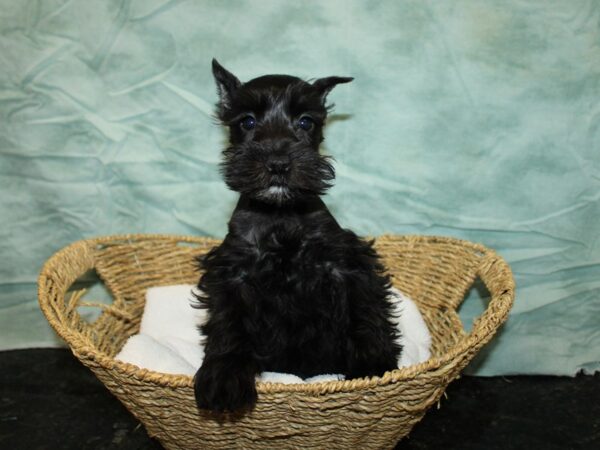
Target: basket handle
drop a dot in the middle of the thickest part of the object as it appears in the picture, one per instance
(498, 279)
(76, 301)
(56, 277)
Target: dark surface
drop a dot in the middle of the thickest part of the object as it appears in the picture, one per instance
(50, 401)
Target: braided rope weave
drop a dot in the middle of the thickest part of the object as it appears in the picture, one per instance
(370, 413)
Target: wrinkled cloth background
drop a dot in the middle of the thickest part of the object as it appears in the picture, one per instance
(474, 119)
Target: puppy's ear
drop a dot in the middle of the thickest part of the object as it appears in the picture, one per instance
(325, 85)
(227, 84)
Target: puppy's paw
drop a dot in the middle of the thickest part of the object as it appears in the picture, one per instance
(224, 389)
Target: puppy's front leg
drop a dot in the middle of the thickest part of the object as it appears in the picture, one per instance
(226, 379)
(372, 344)
(225, 384)
(372, 352)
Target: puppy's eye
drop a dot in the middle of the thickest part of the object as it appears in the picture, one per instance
(248, 123)
(306, 123)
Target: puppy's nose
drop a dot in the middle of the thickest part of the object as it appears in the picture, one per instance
(278, 165)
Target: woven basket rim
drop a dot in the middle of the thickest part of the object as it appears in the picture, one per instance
(502, 304)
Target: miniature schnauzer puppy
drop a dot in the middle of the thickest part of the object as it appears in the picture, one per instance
(288, 290)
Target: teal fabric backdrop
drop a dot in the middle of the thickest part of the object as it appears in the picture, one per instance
(474, 119)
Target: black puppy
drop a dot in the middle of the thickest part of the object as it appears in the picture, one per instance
(288, 290)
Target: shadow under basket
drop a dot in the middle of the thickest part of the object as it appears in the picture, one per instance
(367, 413)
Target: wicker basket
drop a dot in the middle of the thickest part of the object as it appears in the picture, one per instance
(370, 413)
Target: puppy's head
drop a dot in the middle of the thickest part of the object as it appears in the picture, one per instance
(275, 124)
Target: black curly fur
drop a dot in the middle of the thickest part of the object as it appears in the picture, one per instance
(288, 290)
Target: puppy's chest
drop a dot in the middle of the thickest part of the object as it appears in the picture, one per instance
(296, 285)
(293, 253)
(284, 256)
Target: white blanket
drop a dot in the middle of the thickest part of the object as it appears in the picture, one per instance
(169, 340)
